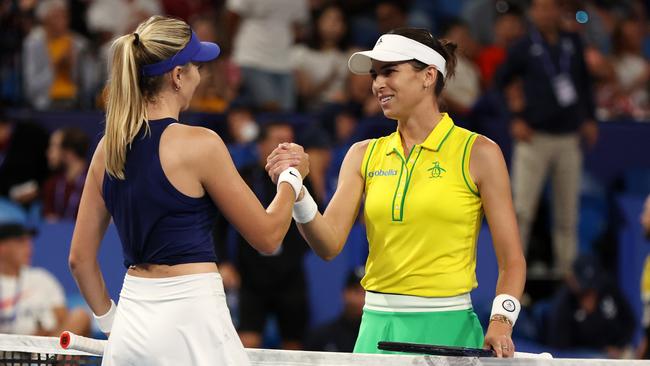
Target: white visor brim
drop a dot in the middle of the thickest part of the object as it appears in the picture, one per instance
(394, 48)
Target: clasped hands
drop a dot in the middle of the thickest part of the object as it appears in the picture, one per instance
(286, 155)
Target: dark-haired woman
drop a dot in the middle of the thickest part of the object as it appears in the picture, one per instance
(320, 68)
(426, 188)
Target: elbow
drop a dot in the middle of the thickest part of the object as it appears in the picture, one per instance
(328, 257)
(77, 263)
(270, 244)
(74, 263)
(330, 253)
(270, 247)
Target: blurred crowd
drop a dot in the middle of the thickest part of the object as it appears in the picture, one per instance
(290, 57)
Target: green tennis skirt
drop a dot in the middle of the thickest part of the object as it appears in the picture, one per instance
(459, 328)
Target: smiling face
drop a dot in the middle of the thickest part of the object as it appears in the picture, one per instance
(400, 88)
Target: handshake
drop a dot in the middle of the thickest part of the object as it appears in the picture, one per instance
(285, 156)
(290, 155)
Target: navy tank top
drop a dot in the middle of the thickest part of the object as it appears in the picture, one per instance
(156, 223)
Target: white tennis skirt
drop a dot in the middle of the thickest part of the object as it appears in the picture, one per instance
(180, 320)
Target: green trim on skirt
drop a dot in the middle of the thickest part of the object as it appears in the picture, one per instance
(459, 328)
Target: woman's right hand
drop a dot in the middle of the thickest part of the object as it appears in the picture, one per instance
(284, 156)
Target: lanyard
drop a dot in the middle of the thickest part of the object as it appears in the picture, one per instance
(565, 54)
(14, 301)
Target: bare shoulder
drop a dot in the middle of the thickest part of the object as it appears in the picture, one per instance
(98, 162)
(359, 148)
(486, 161)
(194, 141)
(196, 133)
(486, 150)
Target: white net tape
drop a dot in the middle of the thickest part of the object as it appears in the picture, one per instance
(264, 357)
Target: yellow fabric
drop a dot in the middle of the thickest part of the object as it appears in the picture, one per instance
(63, 87)
(208, 104)
(422, 213)
(645, 280)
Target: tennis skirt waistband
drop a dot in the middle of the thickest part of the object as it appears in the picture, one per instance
(177, 287)
(414, 304)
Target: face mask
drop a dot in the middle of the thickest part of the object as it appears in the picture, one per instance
(249, 131)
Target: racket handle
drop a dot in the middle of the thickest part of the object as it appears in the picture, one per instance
(71, 341)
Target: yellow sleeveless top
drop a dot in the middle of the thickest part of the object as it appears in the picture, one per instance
(423, 214)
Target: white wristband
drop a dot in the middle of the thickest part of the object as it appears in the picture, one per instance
(306, 209)
(292, 176)
(507, 306)
(105, 322)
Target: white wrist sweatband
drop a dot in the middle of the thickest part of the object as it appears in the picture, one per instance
(105, 322)
(507, 306)
(306, 209)
(292, 176)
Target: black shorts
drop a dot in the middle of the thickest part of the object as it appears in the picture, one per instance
(289, 306)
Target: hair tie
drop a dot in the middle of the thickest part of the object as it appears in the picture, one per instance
(137, 39)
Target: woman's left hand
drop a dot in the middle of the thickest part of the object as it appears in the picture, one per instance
(499, 338)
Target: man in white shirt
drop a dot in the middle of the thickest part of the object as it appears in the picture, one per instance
(32, 301)
(263, 34)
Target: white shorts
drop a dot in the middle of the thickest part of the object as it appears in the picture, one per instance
(179, 320)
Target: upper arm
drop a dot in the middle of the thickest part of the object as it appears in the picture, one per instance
(489, 172)
(343, 209)
(93, 217)
(220, 178)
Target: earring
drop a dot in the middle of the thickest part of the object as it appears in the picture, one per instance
(177, 88)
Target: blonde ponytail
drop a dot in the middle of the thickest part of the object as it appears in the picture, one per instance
(158, 38)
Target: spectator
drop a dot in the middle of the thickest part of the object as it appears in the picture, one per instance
(263, 36)
(116, 17)
(363, 25)
(32, 301)
(23, 166)
(345, 123)
(62, 191)
(242, 133)
(340, 334)
(108, 19)
(464, 88)
(16, 19)
(362, 101)
(480, 16)
(508, 28)
(317, 143)
(59, 71)
(590, 313)
(320, 69)
(391, 14)
(219, 78)
(558, 108)
(270, 284)
(187, 10)
(632, 71)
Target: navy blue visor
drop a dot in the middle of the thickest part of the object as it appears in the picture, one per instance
(194, 51)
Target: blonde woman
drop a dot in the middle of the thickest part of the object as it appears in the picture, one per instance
(162, 182)
(426, 188)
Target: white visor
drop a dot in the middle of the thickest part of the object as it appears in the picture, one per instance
(392, 48)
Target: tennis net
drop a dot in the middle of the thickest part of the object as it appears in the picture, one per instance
(35, 351)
